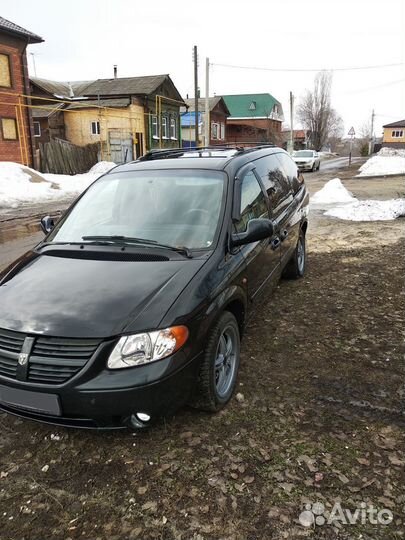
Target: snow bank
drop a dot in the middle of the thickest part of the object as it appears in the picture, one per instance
(351, 209)
(20, 184)
(369, 210)
(387, 161)
(332, 192)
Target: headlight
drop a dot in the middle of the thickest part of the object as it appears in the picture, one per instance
(139, 349)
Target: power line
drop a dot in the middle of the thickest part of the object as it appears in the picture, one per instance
(374, 87)
(293, 70)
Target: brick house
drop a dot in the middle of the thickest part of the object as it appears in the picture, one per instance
(218, 116)
(254, 118)
(301, 138)
(16, 128)
(394, 134)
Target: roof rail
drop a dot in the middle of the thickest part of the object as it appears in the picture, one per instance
(178, 152)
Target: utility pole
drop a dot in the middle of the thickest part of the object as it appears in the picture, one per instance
(291, 144)
(370, 143)
(207, 103)
(196, 93)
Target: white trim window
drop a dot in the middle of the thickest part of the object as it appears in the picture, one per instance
(95, 127)
(155, 127)
(37, 129)
(397, 134)
(173, 128)
(164, 127)
(222, 131)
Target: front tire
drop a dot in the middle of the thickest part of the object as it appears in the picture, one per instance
(219, 367)
(297, 264)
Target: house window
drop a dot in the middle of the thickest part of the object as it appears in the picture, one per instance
(164, 127)
(173, 130)
(95, 128)
(5, 73)
(215, 133)
(252, 106)
(9, 129)
(155, 127)
(397, 133)
(37, 129)
(222, 131)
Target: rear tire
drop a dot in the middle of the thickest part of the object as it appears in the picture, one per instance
(297, 264)
(219, 367)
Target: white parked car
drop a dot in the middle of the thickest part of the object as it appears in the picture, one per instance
(307, 160)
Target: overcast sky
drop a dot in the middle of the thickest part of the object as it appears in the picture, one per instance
(85, 38)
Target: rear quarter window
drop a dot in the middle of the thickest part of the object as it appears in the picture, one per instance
(290, 169)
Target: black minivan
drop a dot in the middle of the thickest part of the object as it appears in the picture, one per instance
(136, 300)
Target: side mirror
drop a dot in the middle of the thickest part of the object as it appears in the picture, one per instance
(47, 224)
(257, 229)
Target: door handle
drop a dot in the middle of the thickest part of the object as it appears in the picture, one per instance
(283, 234)
(275, 243)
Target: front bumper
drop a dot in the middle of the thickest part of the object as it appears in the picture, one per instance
(108, 400)
(305, 166)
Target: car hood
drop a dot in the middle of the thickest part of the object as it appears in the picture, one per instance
(71, 297)
(303, 159)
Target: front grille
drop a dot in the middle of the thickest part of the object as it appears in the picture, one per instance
(52, 360)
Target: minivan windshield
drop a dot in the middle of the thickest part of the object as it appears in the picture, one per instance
(179, 208)
(304, 153)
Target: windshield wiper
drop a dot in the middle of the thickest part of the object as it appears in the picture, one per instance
(119, 239)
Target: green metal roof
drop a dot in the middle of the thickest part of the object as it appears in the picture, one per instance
(251, 105)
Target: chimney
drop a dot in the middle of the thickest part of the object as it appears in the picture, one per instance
(71, 93)
(115, 71)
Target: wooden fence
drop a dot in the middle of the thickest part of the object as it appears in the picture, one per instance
(62, 157)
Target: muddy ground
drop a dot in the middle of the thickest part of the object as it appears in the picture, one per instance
(319, 418)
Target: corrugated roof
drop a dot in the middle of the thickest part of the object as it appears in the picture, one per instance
(88, 103)
(213, 102)
(12, 28)
(251, 105)
(125, 85)
(61, 88)
(399, 123)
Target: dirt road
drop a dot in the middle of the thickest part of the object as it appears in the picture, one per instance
(319, 418)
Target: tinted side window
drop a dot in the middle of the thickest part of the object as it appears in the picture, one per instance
(274, 179)
(291, 170)
(252, 201)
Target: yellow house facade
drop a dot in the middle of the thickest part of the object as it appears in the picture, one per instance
(394, 134)
(118, 126)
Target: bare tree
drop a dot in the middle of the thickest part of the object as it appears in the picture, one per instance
(316, 113)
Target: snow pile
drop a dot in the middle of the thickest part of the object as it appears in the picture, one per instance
(387, 161)
(332, 192)
(351, 209)
(386, 151)
(20, 184)
(102, 167)
(369, 210)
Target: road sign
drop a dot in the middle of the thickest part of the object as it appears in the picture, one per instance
(351, 133)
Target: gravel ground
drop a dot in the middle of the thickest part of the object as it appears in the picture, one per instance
(318, 417)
